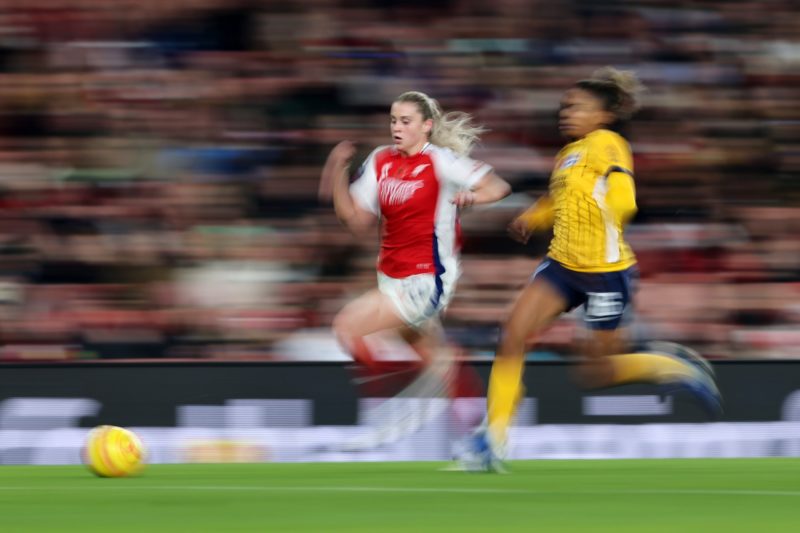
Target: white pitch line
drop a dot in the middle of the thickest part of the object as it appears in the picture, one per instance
(429, 490)
(245, 488)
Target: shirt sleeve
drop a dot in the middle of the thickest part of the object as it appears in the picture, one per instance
(459, 170)
(615, 165)
(540, 215)
(364, 189)
(621, 197)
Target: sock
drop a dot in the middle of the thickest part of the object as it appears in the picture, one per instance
(648, 368)
(505, 391)
(381, 378)
(465, 391)
(467, 382)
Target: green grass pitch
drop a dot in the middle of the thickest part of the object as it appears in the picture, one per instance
(726, 495)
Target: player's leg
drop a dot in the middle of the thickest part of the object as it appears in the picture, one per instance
(426, 340)
(537, 306)
(440, 357)
(436, 359)
(666, 364)
(420, 300)
(410, 307)
(370, 313)
(607, 361)
(539, 303)
(421, 399)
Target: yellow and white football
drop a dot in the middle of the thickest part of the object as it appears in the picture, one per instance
(113, 451)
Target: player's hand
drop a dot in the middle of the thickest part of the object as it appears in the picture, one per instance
(338, 160)
(519, 230)
(464, 199)
(342, 153)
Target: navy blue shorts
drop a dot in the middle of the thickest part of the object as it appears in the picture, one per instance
(606, 296)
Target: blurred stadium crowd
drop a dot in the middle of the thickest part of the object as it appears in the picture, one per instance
(159, 164)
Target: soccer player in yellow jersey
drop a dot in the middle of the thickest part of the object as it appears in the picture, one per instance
(588, 264)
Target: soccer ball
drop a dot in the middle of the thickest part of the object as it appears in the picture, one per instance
(113, 451)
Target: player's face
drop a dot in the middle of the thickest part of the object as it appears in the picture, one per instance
(581, 113)
(409, 129)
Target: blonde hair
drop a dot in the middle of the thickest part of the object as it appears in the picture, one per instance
(454, 130)
(620, 90)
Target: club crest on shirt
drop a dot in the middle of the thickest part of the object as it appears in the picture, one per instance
(396, 192)
(569, 161)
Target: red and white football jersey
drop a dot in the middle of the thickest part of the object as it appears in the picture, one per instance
(412, 195)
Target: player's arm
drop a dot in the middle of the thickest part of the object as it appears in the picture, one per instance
(335, 184)
(621, 195)
(612, 157)
(540, 215)
(490, 188)
(537, 217)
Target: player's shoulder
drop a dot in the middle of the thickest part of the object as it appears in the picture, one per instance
(383, 151)
(381, 154)
(374, 160)
(442, 153)
(605, 137)
(611, 147)
(609, 140)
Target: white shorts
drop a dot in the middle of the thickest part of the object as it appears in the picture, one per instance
(418, 298)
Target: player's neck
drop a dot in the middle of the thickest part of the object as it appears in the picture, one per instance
(416, 149)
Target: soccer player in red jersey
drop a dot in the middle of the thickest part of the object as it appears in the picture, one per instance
(414, 189)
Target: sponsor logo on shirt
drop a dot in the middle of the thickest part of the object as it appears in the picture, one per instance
(569, 161)
(385, 170)
(396, 192)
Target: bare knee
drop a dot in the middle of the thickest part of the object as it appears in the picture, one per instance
(536, 307)
(512, 340)
(344, 331)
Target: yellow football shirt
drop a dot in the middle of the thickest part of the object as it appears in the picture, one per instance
(592, 195)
